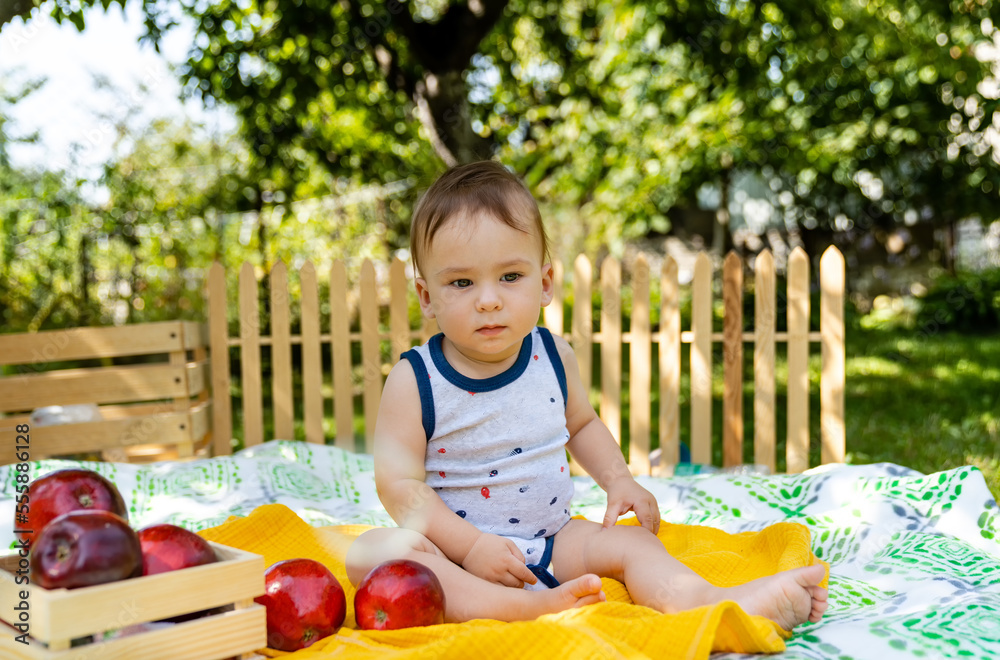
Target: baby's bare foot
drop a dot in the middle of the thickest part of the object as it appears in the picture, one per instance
(581, 591)
(788, 598)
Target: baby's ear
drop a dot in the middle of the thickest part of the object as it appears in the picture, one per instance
(548, 284)
(424, 298)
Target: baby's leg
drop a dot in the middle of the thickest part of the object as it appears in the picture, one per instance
(466, 596)
(654, 578)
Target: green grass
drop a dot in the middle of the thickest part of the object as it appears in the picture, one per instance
(929, 403)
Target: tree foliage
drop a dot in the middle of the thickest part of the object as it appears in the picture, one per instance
(39, 212)
(859, 113)
(179, 198)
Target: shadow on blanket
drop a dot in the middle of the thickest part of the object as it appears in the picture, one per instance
(617, 626)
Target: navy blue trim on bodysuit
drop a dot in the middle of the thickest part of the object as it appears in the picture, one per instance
(556, 360)
(480, 384)
(540, 569)
(424, 389)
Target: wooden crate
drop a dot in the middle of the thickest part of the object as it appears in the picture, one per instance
(155, 407)
(58, 616)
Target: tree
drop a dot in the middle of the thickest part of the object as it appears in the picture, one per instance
(859, 112)
(866, 111)
(40, 212)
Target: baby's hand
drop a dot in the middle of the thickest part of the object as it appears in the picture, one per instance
(498, 560)
(626, 495)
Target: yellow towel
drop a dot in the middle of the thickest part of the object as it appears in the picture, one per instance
(615, 629)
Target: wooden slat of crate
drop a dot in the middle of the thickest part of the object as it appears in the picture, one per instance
(92, 343)
(107, 412)
(101, 385)
(211, 638)
(166, 427)
(64, 614)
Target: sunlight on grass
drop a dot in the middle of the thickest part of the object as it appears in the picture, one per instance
(930, 405)
(873, 366)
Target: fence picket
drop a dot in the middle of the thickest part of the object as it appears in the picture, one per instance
(583, 329)
(832, 431)
(732, 360)
(640, 374)
(428, 329)
(340, 328)
(371, 354)
(399, 321)
(253, 407)
(701, 361)
(553, 313)
(218, 330)
(312, 372)
(281, 354)
(611, 346)
(797, 446)
(765, 297)
(670, 364)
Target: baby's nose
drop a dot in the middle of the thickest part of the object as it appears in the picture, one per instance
(489, 299)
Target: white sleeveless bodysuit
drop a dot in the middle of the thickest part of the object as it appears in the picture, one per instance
(496, 447)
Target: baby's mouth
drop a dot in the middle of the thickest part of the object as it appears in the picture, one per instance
(491, 330)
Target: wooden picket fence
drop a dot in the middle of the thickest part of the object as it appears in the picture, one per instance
(639, 339)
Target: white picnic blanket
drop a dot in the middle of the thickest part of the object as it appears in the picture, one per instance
(915, 560)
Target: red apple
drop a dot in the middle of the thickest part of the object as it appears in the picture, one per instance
(399, 594)
(304, 602)
(83, 548)
(167, 547)
(63, 491)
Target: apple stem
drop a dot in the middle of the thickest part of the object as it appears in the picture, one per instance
(62, 552)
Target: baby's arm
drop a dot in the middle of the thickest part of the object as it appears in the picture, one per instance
(595, 449)
(400, 449)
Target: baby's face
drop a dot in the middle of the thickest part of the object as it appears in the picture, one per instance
(485, 283)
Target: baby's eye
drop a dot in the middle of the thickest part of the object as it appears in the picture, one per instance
(511, 277)
(461, 284)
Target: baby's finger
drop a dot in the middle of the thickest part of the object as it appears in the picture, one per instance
(614, 511)
(509, 580)
(515, 551)
(648, 517)
(524, 574)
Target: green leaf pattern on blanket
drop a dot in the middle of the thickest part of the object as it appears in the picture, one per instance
(915, 562)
